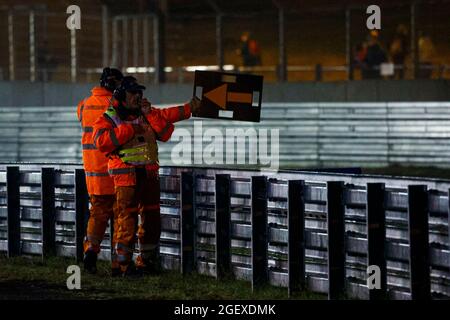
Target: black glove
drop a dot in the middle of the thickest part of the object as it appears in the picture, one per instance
(195, 104)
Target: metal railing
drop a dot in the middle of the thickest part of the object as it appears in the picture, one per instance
(299, 230)
(312, 134)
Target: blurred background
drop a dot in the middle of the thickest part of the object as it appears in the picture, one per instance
(166, 40)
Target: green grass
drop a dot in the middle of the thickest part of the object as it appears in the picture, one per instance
(32, 278)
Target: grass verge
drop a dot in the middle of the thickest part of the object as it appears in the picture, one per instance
(31, 278)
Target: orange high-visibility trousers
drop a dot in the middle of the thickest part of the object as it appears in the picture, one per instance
(141, 199)
(103, 208)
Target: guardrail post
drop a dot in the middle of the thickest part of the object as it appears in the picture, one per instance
(48, 212)
(13, 203)
(376, 236)
(81, 211)
(296, 236)
(187, 221)
(260, 274)
(223, 226)
(336, 239)
(419, 261)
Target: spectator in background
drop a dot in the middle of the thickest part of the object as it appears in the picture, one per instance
(375, 56)
(250, 51)
(426, 52)
(399, 50)
(359, 56)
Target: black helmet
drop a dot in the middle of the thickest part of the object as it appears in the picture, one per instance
(129, 83)
(109, 77)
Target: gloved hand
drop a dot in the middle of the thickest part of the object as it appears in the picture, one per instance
(195, 104)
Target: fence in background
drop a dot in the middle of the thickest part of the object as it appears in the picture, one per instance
(315, 73)
(310, 134)
(294, 229)
(39, 46)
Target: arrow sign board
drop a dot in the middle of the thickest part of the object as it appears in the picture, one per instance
(228, 96)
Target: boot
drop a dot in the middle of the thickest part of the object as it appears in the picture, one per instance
(116, 272)
(150, 265)
(130, 271)
(115, 266)
(90, 262)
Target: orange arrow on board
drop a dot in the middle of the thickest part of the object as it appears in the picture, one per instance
(220, 96)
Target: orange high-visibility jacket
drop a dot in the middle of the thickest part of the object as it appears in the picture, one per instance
(95, 162)
(109, 137)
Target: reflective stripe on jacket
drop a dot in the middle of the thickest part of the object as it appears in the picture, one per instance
(95, 163)
(142, 148)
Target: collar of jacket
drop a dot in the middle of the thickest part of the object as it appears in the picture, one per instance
(100, 91)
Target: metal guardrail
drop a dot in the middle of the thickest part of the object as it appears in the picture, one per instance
(310, 230)
(310, 134)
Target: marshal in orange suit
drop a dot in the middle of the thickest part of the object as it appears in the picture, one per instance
(100, 185)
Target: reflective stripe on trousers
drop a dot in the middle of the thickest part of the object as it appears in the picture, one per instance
(121, 246)
(123, 254)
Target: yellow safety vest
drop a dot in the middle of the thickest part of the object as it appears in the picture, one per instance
(142, 149)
